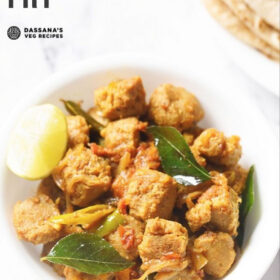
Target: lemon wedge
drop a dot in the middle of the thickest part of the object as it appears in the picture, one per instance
(38, 142)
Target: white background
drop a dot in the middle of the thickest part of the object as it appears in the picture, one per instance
(174, 29)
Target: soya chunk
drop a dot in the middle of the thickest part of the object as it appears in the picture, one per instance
(216, 148)
(78, 130)
(73, 274)
(237, 178)
(120, 184)
(147, 156)
(151, 194)
(218, 207)
(121, 99)
(218, 248)
(162, 240)
(127, 237)
(123, 135)
(174, 106)
(83, 175)
(186, 274)
(31, 219)
(48, 187)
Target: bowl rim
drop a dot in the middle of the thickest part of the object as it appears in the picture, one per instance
(94, 65)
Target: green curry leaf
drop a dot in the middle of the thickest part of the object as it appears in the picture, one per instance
(248, 198)
(87, 253)
(75, 109)
(176, 157)
(151, 276)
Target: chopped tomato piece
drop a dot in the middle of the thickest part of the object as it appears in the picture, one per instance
(127, 235)
(122, 206)
(171, 256)
(120, 184)
(101, 151)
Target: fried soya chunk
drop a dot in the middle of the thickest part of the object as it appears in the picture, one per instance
(120, 184)
(70, 229)
(217, 207)
(218, 248)
(197, 261)
(48, 187)
(216, 148)
(31, 219)
(78, 130)
(151, 194)
(163, 240)
(174, 106)
(83, 175)
(127, 237)
(147, 156)
(123, 135)
(73, 274)
(237, 178)
(121, 99)
(200, 160)
(186, 274)
(184, 193)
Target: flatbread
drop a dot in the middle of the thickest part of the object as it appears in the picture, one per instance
(228, 20)
(269, 10)
(255, 23)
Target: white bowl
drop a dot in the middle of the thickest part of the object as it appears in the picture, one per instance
(227, 109)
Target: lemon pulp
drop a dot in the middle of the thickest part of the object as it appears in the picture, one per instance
(38, 142)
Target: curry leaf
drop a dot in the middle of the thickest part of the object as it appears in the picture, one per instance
(75, 109)
(87, 253)
(151, 276)
(248, 198)
(176, 157)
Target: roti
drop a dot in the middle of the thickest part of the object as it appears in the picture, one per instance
(221, 12)
(255, 23)
(267, 9)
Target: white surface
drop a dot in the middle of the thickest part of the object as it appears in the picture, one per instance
(92, 27)
(80, 81)
(263, 70)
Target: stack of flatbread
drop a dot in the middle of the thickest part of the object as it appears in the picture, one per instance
(256, 22)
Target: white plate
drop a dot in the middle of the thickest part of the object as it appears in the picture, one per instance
(225, 112)
(256, 65)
